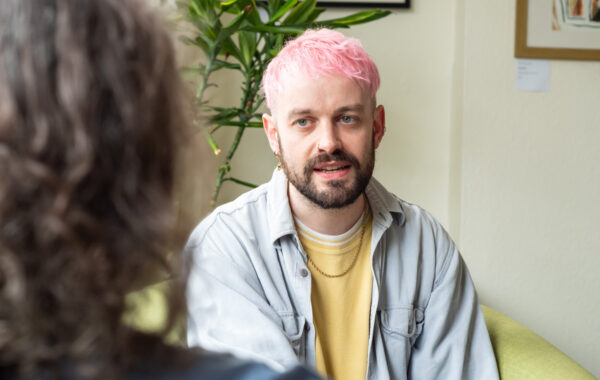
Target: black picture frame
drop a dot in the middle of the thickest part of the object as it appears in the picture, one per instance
(365, 4)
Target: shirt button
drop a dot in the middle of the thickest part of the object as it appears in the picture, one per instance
(303, 272)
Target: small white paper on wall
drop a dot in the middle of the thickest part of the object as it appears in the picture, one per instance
(532, 75)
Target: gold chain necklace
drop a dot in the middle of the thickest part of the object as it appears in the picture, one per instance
(362, 234)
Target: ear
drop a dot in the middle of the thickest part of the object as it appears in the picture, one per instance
(378, 125)
(271, 131)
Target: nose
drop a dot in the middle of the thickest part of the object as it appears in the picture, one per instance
(328, 139)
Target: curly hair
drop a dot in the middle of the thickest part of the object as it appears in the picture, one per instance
(90, 114)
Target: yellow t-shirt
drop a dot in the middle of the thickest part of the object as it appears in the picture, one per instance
(341, 305)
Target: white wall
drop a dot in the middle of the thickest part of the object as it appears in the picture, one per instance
(512, 175)
(531, 187)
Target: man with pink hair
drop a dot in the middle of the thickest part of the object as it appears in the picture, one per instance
(322, 265)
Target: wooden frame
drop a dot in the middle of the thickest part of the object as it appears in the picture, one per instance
(365, 3)
(522, 50)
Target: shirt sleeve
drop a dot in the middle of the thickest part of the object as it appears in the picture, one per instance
(454, 342)
(227, 308)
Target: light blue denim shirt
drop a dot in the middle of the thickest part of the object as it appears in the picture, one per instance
(249, 290)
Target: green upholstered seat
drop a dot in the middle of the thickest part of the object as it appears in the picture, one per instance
(523, 355)
(148, 312)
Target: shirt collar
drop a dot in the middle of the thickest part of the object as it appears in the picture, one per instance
(384, 206)
(281, 221)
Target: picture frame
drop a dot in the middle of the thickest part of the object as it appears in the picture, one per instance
(572, 33)
(365, 3)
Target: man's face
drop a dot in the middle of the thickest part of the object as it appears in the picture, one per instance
(326, 130)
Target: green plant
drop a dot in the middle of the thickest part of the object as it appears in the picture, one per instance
(244, 35)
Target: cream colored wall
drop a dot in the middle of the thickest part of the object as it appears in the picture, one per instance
(513, 176)
(530, 202)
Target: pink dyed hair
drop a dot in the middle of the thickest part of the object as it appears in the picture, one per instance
(316, 52)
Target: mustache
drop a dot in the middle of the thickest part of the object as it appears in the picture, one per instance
(338, 155)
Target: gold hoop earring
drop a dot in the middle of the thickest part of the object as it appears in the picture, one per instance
(278, 160)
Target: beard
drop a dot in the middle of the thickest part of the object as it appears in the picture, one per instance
(337, 194)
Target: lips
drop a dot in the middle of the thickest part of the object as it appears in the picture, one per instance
(332, 167)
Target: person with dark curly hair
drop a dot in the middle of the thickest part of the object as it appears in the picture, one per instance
(91, 113)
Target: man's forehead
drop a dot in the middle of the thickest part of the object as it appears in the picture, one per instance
(302, 93)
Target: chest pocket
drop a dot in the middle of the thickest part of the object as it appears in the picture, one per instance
(401, 326)
(294, 327)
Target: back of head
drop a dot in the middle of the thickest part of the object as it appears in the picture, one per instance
(89, 112)
(320, 52)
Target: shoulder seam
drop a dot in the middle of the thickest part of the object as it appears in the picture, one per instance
(215, 217)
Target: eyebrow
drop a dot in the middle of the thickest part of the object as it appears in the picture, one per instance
(299, 112)
(353, 107)
(307, 111)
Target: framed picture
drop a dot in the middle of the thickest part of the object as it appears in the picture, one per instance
(365, 3)
(558, 29)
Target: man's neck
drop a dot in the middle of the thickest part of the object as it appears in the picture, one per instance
(333, 221)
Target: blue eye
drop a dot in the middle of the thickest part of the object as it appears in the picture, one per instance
(302, 122)
(347, 119)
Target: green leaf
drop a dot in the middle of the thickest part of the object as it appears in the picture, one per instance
(203, 40)
(227, 3)
(213, 144)
(204, 8)
(300, 13)
(240, 182)
(200, 90)
(274, 52)
(254, 17)
(201, 14)
(231, 9)
(232, 27)
(226, 123)
(275, 45)
(280, 38)
(191, 72)
(197, 42)
(186, 40)
(260, 100)
(236, 7)
(274, 29)
(224, 110)
(208, 32)
(229, 47)
(314, 14)
(224, 114)
(220, 64)
(194, 8)
(247, 42)
(273, 6)
(282, 11)
(354, 19)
